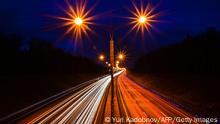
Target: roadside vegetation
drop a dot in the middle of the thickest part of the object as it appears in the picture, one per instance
(36, 70)
(187, 72)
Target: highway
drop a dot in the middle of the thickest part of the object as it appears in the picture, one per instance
(75, 105)
(91, 102)
(135, 103)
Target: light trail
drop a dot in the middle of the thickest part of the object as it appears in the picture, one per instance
(80, 107)
(91, 103)
(132, 101)
(139, 102)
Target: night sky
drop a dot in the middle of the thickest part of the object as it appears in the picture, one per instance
(181, 17)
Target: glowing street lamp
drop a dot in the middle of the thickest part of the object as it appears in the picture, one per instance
(78, 21)
(101, 57)
(121, 56)
(109, 65)
(143, 17)
(117, 62)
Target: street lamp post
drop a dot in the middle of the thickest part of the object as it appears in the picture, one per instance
(112, 62)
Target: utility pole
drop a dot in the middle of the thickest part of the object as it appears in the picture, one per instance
(112, 62)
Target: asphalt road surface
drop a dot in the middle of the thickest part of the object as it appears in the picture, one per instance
(133, 103)
(91, 102)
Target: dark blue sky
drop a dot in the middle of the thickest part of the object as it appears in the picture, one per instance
(25, 17)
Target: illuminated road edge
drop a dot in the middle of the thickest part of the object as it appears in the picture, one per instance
(80, 107)
(78, 104)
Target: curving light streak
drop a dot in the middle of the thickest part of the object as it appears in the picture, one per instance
(142, 103)
(80, 107)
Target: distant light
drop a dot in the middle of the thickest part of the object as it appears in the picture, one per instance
(109, 65)
(121, 56)
(142, 19)
(117, 62)
(101, 57)
(78, 21)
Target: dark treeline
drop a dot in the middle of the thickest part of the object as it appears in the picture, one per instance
(198, 54)
(35, 70)
(187, 72)
(40, 57)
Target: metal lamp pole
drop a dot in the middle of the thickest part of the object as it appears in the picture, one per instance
(112, 62)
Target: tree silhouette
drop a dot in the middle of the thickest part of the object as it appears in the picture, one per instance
(41, 57)
(199, 54)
